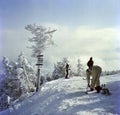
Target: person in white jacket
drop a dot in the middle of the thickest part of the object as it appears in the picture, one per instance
(95, 82)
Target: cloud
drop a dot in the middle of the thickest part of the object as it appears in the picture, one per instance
(75, 43)
(84, 42)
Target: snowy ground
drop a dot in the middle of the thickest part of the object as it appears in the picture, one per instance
(67, 97)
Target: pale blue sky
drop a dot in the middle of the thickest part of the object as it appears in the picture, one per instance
(17, 13)
(85, 28)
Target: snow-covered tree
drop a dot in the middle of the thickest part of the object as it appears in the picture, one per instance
(8, 67)
(79, 68)
(59, 69)
(17, 79)
(10, 84)
(42, 37)
(27, 74)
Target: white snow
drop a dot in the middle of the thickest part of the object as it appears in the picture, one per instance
(67, 97)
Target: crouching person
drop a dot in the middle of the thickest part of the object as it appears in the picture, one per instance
(95, 82)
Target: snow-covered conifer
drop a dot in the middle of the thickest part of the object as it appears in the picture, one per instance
(42, 37)
(26, 73)
(79, 68)
(17, 79)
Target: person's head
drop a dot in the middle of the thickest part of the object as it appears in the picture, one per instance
(90, 58)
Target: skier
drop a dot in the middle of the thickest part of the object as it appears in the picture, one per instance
(95, 73)
(67, 69)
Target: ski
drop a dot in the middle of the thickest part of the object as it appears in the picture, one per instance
(90, 92)
(101, 92)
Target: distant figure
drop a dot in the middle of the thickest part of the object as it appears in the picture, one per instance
(90, 64)
(67, 69)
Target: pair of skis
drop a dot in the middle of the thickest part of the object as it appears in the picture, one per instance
(104, 90)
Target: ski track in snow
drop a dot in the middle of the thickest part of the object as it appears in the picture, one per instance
(67, 97)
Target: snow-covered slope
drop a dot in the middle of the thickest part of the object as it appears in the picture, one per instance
(67, 97)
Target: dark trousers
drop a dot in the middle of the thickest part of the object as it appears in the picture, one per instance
(66, 74)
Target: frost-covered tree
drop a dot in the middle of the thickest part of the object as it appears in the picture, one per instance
(27, 74)
(59, 69)
(42, 37)
(7, 66)
(79, 68)
(17, 79)
(10, 84)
